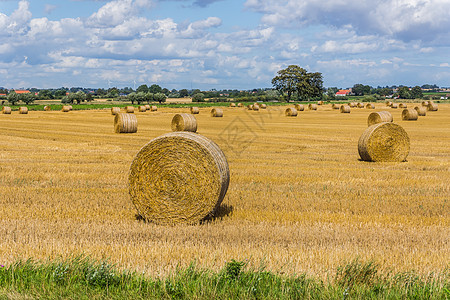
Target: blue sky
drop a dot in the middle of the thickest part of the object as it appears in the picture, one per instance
(222, 44)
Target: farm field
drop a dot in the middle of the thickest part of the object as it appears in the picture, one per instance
(299, 201)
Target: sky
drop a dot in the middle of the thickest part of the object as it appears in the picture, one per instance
(222, 44)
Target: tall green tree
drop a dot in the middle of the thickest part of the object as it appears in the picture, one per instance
(416, 92)
(142, 88)
(403, 92)
(13, 98)
(154, 89)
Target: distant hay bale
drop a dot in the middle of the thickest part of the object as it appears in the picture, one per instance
(352, 104)
(232, 105)
(195, 110)
(240, 105)
(153, 108)
(178, 178)
(125, 123)
(335, 106)
(47, 108)
(360, 105)
(129, 109)
(147, 106)
(370, 106)
(250, 107)
(394, 105)
(312, 106)
(291, 112)
(70, 107)
(142, 108)
(389, 103)
(299, 107)
(432, 107)
(379, 117)
(216, 112)
(115, 110)
(402, 105)
(6, 110)
(425, 103)
(410, 114)
(263, 106)
(255, 107)
(344, 109)
(421, 110)
(65, 108)
(184, 122)
(23, 110)
(384, 142)
(319, 102)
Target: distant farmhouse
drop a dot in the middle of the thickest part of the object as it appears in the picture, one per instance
(342, 93)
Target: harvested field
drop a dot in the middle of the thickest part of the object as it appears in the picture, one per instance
(299, 198)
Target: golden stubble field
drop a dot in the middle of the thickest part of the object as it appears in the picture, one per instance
(299, 198)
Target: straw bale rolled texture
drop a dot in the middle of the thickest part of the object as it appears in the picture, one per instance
(47, 108)
(312, 106)
(216, 112)
(291, 112)
(432, 107)
(240, 105)
(255, 107)
(360, 105)
(153, 108)
(115, 110)
(410, 114)
(335, 106)
(394, 105)
(6, 110)
(421, 110)
(370, 106)
(352, 104)
(384, 142)
(184, 122)
(142, 108)
(194, 110)
(23, 110)
(425, 103)
(319, 102)
(344, 109)
(403, 105)
(125, 123)
(232, 105)
(129, 109)
(379, 117)
(263, 106)
(147, 106)
(70, 107)
(178, 178)
(65, 108)
(299, 107)
(389, 103)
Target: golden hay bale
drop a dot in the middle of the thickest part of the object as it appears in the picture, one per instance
(299, 107)
(352, 104)
(142, 108)
(432, 107)
(425, 103)
(115, 110)
(125, 123)
(179, 177)
(263, 106)
(384, 142)
(250, 107)
(410, 114)
(65, 108)
(216, 112)
(394, 105)
(335, 106)
(240, 105)
(319, 102)
(23, 110)
(70, 107)
(360, 105)
(47, 108)
(129, 109)
(344, 109)
(389, 103)
(421, 110)
(255, 107)
(312, 106)
(194, 110)
(184, 122)
(370, 106)
(291, 112)
(402, 105)
(232, 105)
(6, 110)
(153, 108)
(379, 117)
(147, 106)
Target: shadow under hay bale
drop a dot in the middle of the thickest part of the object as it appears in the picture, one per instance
(379, 117)
(125, 123)
(184, 122)
(187, 191)
(384, 142)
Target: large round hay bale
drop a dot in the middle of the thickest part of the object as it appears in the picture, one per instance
(65, 108)
(335, 106)
(360, 105)
(299, 107)
(216, 112)
(291, 112)
(384, 142)
(425, 103)
(240, 105)
(153, 108)
(6, 110)
(344, 109)
(23, 110)
(410, 114)
(394, 105)
(142, 108)
(179, 177)
(184, 122)
(250, 107)
(129, 109)
(125, 123)
(402, 105)
(312, 106)
(115, 110)
(432, 107)
(370, 106)
(421, 110)
(352, 104)
(195, 110)
(47, 108)
(263, 106)
(147, 106)
(255, 107)
(379, 117)
(319, 102)
(232, 105)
